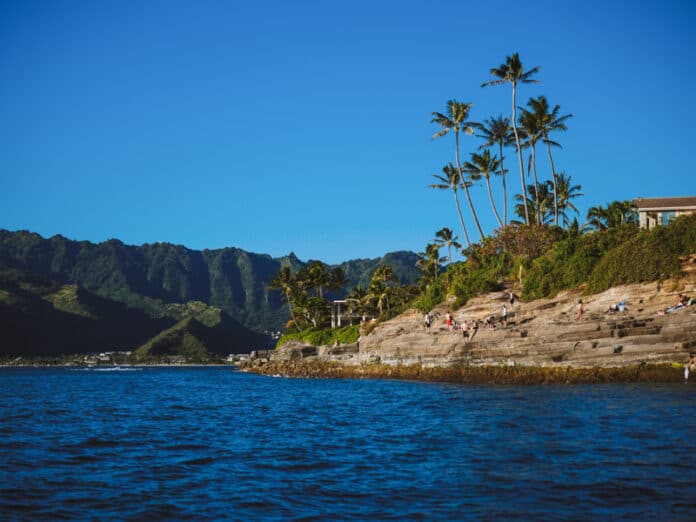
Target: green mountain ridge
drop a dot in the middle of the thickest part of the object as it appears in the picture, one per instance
(39, 317)
(154, 277)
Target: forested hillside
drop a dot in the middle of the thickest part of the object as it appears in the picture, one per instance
(151, 277)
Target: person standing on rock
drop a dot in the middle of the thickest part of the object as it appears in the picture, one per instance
(465, 330)
(448, 320)
(689, 367)
(427, 322)
(580, 310)
(504, 321)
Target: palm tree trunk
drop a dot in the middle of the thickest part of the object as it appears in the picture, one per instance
(502, 175)
(555, 188)
(519, 153)
(461, 219)
(466, 189)
(490, 197)
(537, 203)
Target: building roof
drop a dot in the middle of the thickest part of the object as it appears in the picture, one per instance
(665, 203)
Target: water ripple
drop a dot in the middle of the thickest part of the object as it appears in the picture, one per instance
(214, 444)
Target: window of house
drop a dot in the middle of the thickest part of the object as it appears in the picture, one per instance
(668, 216)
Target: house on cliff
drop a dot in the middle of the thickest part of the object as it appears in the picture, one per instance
(654, 212)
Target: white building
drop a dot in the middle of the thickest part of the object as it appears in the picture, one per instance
(653, 212)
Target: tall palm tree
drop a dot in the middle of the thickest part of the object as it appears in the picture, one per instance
(512, 72)
(539, 201)
(549, 121)
(450, 180)
(564, 192)
(286, 282)
(530, 125)
(482, 166)
(445, 236)
(456, 120)
(498, 130)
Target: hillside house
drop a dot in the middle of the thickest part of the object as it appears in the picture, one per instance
(653, 212)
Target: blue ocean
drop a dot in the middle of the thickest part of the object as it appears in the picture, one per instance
(214, 444)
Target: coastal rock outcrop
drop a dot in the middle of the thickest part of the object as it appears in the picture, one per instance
(539, 334)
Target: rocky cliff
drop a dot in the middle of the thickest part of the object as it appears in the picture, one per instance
(539, 334)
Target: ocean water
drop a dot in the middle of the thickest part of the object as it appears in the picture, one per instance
(216, 444)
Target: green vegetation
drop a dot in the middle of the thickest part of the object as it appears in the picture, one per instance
(544, 260)
(324, 336)
(159, 279)
(186, 339)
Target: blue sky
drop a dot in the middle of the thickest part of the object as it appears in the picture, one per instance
(305, 126)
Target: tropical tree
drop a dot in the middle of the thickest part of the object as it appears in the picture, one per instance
(498, 131)
(539, 202)
(445, 236)
(549, 121)
(286, 282)
(483, 166)
(530, 125)
(338, 280)
(429, 263)
(381, 287)
(451, 180)
(617, 213)
(318, 276)
(512, 72)
(564, 192)
(456, 120)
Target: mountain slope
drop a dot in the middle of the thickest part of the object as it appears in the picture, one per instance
(39, 317)
(149, 277)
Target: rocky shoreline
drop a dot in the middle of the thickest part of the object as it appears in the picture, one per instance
(543, 342)
(504, 375)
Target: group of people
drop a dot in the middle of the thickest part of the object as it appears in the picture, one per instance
(469, 328)
(683, 301)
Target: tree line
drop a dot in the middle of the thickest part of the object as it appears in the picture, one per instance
(543, 202)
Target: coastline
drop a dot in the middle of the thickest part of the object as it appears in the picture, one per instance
(460, 374)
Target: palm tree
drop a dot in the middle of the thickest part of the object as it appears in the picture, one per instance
(512, 72)
(286, 282)
(318, 276)
(617, 213)
(338, 280)
(498, 130)
(549, 121)
(530, 125)
(429, 262)
(445, 236)
(450, 180)
(482, 166)
(564, 192)
(456, 120)
(539, 202)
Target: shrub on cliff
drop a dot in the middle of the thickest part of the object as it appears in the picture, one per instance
(571, 260)
(325, 336)
(648, 256)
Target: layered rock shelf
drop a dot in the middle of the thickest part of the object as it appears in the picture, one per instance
(543, 341)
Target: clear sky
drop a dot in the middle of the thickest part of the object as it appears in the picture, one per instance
(279, 126)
